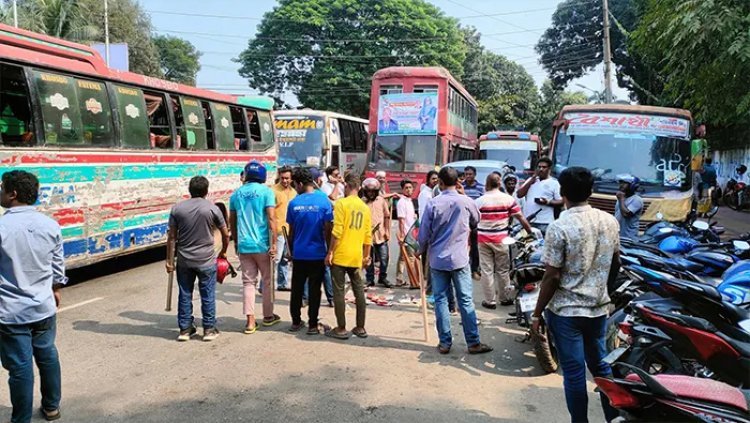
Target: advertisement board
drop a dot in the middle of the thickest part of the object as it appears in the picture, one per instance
(408, 114)
(640, 124)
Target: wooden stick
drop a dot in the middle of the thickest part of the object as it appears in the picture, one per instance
(423, 291)
(413, 273)
(170, 283)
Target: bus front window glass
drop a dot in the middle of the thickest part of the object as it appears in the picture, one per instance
(300, 140)
(420, 153)
(132, 115)
(388, 153)
(15, 112)
(60, 112)
(265, 124)
(96, 113)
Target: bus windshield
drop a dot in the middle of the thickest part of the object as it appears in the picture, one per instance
(414, 153)
(300, 140)
(662, 163)
(520, 159)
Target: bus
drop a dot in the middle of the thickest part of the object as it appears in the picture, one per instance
(114, 151)
(420, 119)
(519, 149)
(613, 140)
(315, 138)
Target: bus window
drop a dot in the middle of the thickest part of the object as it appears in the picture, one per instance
(210, 140)
(60, 114)
(261, 129)
(353, 136)
(425, 88)
(132, 116)
(193, 132)
(16, 128)
(160, 132)
(239, 128)
(252, 121)
(223, 128)
(421, 151)
(96, 113)
(388, 153)
(391, 89)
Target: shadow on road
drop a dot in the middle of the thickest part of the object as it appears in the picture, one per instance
(115, 265)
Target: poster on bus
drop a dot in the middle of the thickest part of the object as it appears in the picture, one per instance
(640, 124)
(408, 114)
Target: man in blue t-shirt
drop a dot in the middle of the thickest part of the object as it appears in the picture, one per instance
(310, 217)
(253, 220)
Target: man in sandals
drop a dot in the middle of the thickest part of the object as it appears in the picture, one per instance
(348, 254)
(446, 225)
(253, 220)
(309, 217)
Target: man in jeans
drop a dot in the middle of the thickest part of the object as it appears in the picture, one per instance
(191, 224)
(309, 218)
(445, 229)
(406, 218)
(252, 217)
(284, 194)
(380, 214)
(348, 253)
(542, 195)
(581, 251)
(32, 270)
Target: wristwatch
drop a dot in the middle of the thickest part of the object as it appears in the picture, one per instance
(535, 318)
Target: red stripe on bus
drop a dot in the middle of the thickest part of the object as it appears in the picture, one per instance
(78, 158)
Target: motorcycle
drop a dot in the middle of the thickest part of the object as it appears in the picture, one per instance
(640, 396)
(736, 195)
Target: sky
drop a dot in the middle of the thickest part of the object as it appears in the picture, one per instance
(220, 29)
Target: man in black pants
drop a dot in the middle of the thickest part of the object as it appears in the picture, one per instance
(310, 217)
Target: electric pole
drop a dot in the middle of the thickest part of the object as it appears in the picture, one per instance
(607, 57)
(15, 14)
(106, 33)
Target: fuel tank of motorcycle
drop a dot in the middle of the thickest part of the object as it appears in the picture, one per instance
(736, 288)
(712, 259)
(677, 244)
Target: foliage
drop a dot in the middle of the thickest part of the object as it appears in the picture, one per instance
(326, 51)
(552, 101)
(58, 18)
(179, 59)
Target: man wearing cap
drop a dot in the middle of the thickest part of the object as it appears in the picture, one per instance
(380, 214)
(629, 207)
(380, 176)
(253, 220)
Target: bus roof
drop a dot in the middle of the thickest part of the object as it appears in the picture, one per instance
(53, 53)
(509, 135)
(627, 108)
(395, 72)
(256, 102)
(323, 113)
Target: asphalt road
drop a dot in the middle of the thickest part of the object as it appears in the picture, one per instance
(121, 363)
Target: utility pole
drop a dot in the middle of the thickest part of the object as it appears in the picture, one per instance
(15, 14)
(106, 33)
(607, 57)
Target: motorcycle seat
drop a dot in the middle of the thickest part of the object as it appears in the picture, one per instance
(704, 390)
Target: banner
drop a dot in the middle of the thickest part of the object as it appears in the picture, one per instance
(408, 114)
(585, 123)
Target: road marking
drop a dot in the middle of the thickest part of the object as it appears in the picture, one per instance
(82, 303)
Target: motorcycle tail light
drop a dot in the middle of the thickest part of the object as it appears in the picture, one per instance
(529, 287)
(619, 397)
(626, 328)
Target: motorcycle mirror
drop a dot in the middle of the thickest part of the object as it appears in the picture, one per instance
(713, 211)
(700, 225)
(509, 241)
(660, 216)
(741, 245)
(665, 230)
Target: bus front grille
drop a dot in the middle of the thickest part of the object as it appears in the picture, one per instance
(608, 205)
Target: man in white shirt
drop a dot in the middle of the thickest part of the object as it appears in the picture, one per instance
(406, 218)
(333, 188)
(542, 194)
(426, 191)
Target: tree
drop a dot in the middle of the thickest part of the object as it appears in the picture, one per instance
(179, 59)
(326, 51)
(66, 19)
(552, 101)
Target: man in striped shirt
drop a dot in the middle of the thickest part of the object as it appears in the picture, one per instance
(495, 210)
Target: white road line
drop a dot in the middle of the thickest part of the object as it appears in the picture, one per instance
(82, 303)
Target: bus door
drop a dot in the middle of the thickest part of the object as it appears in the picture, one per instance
(333, 143)
(353, 146)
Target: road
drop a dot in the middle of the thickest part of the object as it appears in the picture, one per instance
(121, 363)
(735, 222)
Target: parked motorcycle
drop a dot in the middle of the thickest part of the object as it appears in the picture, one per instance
(736, 195)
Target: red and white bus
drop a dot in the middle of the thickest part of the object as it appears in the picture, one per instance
(420, 119)
(114, 151)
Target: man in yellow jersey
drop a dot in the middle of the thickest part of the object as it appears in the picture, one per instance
(348, 253)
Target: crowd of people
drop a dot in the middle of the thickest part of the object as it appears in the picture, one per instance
(328, 229)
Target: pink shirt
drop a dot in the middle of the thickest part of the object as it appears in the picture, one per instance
(405, 210)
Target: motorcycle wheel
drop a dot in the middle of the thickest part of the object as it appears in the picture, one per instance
(545, 350)
(658, 361)
(613, 330)
(731, 200)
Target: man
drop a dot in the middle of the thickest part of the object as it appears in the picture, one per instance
(381, 177)
(253, 220)
(580, 254)
(629, 206)
(191, 225)
(333, 188)
(283, 193)
(309, 218)
(32, 271)
(510, 182)
(380, 215)
(348, 253)
(542, 194)
(473, 189)
(327, 283)
(406, 218)
(445, 229)
(495, 209)
(386, 124)
(425, 191)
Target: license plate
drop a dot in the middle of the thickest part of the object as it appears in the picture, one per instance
(614, 355)
(528, 301)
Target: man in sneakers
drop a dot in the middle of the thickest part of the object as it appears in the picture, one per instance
(284, 193)
(381, 218)
(406, 218)
(191, 224)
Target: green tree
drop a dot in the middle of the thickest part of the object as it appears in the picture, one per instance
(179, 59)
(326, 51)
(552, 101)
(66, 19)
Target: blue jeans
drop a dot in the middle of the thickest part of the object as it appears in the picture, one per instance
(206, 285)
(327, 286)
(282, 266)
(20, 346)
(379, 253)
(580, 342)
(441, 288)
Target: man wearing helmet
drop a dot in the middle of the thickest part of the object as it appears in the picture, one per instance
(191, 224)
(629, 207)
(381, 219)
